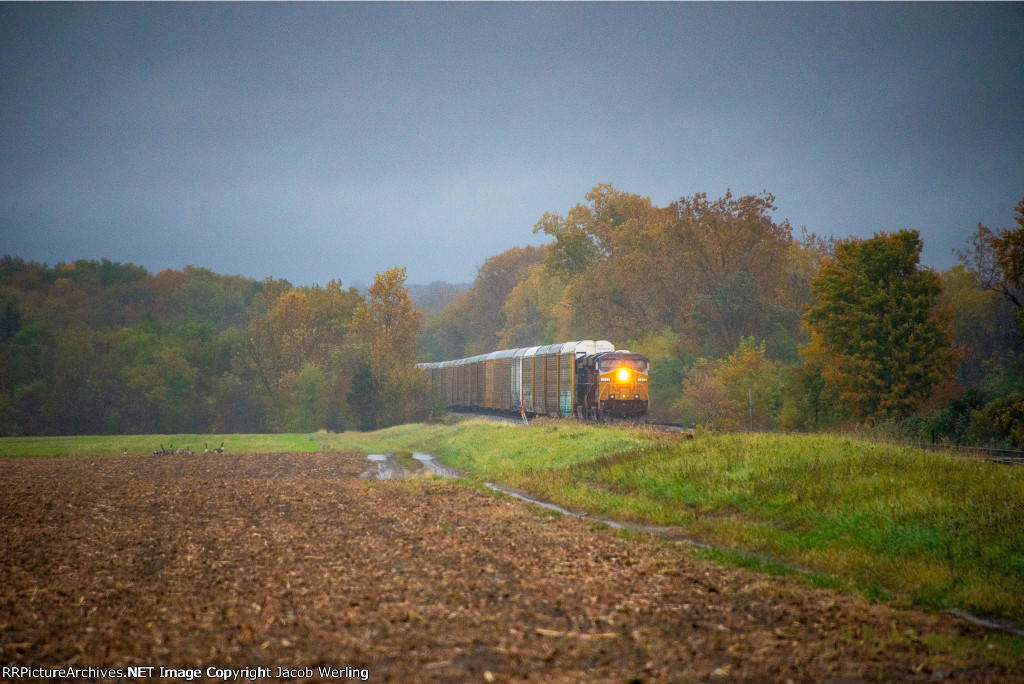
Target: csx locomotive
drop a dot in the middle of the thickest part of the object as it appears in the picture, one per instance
(587, 379)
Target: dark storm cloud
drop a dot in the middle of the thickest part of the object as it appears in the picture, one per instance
(320, 141)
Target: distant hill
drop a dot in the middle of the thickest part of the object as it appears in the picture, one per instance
(432, 298)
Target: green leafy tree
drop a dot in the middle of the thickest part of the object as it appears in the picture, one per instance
(575, 248)
(364, 397)
(235, 407)
(878, 328)
(807, 402)
(1001, 421)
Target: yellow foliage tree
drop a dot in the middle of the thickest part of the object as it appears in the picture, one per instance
(529, 318)
(751, 387)
(385, 326)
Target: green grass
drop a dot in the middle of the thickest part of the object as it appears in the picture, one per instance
(927, 529)
(503, 452)
(107, 445)
(894, 523)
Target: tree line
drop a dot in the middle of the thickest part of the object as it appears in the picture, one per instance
(747, 321)
(106, 348)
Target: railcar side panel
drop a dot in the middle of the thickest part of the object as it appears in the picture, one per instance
(540, 381)
(489, 384)
(478, 384)
(503, 383)
(551, 383)
(566, 374)
(528, 382)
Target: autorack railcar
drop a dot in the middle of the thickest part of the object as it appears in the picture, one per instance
(588, 379)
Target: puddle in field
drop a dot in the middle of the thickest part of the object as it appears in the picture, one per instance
(435, 466)
(384, 467)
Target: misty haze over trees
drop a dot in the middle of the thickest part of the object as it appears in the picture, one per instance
(727, 303)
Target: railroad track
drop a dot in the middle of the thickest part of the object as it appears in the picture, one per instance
(1004, 456)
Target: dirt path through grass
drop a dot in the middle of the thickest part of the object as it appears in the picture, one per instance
(293, 560)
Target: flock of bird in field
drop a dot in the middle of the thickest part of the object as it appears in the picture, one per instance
(186, 451)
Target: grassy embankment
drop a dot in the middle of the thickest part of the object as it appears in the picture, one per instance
(896, 523)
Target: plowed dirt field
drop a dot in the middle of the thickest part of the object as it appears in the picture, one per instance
(293, 560)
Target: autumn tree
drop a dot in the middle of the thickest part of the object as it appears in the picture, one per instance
(878, 328)
(715, 271)
(473, 323)
(997, 259)
(751, 387)
(732, 391)
(385, 326)
(575, 248)
(530, 310)
(984, 326)
(602, 253)
(299, 344)
(702, 395)
(740, 273)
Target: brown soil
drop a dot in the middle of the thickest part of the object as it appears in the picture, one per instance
(293, 560)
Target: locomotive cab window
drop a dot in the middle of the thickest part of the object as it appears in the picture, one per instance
(610, 363)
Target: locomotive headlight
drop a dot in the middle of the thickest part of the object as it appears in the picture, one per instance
(623, 375)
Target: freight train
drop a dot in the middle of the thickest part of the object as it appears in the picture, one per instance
(587, 379)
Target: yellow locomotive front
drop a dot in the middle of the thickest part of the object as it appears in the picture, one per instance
(623, 384)
(613, 385)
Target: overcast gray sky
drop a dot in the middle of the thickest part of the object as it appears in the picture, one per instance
(330, 141)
